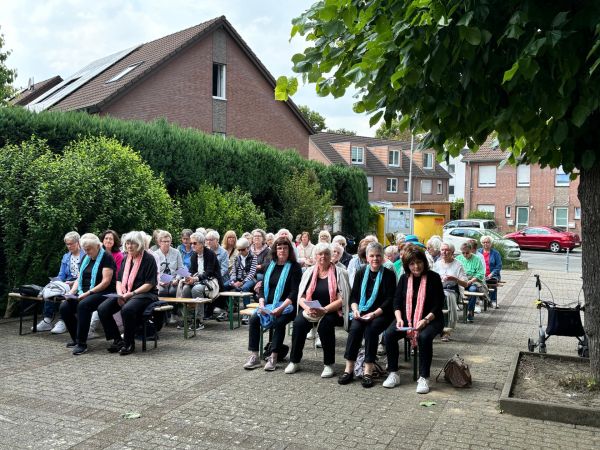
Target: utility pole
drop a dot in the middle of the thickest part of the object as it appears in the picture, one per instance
(412, 146)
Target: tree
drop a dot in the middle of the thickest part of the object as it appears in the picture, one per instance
(316, 120)
(7, 76)
(342, 131)
(393, 131)
(526, 70)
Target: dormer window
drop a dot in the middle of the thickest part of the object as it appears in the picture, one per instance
(427, 160)
(357, 155)
(394, 158)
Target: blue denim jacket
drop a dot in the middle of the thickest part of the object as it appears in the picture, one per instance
(65, 267)
(495, 262)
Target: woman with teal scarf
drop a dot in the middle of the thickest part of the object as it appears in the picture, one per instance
(371, 301)
(277, 298)
(97, 277)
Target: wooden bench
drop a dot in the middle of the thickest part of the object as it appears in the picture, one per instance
(23, 308)
(249, 311)
(234, 297)
(465, 301)
(187, 302)
(146, 321)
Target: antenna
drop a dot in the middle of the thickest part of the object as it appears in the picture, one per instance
(30, 84)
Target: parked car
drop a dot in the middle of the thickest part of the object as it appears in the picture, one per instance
(457, 236)
(480, 224)
(552, 238)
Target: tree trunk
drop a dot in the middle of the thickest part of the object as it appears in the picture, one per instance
(589, 196)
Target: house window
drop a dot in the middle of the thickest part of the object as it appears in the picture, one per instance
(392, 184)
(451, 169)
(508, 211)
(357, 155)
(577, 215)
(487, 176)
(522, 217)
(427, 160)
(561, 178)
(487, 208)
(450, 190)
(561, 217)
(124, 72)
(426, 186)
(405, 185)
(370, 183)
(523, 175)
(219, 78)
(440, 187)
(394, 158)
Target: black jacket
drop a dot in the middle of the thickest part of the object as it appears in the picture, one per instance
(212, 268)
(434, 296)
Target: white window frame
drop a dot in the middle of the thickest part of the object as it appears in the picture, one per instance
(485, 178)
(124, 72)
(221, 92)
(430, 187)
(426, 156)
(370, 184)
(405, 185)
(523, 175)
(562, 209)
(391, 185)
(577, 213)
(561, 173)
(440, 187)
(508, 211)
(394, 158)
(487, 208)
(358, 150)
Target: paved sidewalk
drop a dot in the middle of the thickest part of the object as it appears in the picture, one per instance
(195, 394)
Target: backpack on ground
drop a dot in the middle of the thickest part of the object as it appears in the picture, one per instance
(283, 351)
(359, 366)
(456, 372)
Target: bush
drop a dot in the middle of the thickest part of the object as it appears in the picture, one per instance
(222, 211)
(481, 215)
(95, 184)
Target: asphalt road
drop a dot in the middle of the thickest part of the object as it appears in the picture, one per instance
(546, 260)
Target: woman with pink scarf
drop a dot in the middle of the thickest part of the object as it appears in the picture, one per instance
(418, 309)
(322, 301)
(136, 289)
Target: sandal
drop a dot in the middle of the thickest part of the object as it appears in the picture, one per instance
(367, 381)
(445, 338)
(345, 378)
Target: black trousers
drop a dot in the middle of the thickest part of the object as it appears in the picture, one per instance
(278, 331)
(425, 341)
(131, 312)
(326, 332)
(371, 331)
(77, 315)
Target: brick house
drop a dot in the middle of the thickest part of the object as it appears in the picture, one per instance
(386, 164)
(34, 90)
(204, 77)
(519, 196)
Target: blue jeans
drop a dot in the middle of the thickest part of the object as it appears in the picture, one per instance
(472, 300)
(50, 308)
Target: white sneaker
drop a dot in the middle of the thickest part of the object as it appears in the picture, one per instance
(252, 362)
(311, 334)
(318, 343)
(43, 325)
(328, 372)
(477, 309)
(92, 335)
(292, 368)
(173, 320)
(392, 380)
(59, 328)
(422, 385)
(271, 364)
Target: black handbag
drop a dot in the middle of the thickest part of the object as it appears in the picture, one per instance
(30, 290)
(564, 321)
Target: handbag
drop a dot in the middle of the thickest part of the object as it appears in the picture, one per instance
(456, 372)
(30, 290)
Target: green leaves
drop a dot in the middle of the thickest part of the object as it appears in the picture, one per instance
(471, 34)
(285, 87)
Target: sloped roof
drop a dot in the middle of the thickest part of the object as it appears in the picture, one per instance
(96, 93)
(30, 94)
(374, 166)
(488, 151)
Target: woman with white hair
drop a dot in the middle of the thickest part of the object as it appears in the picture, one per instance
(136, 289)
(433, 248)
(324, 236)
(261, 251)
(346, 257)
(97, 277)
(169, 262)
(493, 266)
(269, 239)
(305, 250)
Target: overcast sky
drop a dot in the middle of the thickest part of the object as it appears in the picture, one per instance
(58, 37)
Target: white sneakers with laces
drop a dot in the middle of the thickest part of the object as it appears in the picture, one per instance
(422, 385)
(292, 368)
(59, 328)
(271, 364)
(311, 334)
(328, 372)
(44, 325)
(392, 380)
(252, 362)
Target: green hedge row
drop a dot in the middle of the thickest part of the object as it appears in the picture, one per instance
(186, 158)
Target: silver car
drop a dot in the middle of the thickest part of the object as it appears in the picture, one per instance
(457, 236)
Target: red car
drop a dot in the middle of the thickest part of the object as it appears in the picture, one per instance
(552, 238)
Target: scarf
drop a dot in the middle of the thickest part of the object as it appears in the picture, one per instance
(280, 282)
(365, 304)
(84, 264)
(412, 320)
(130, 273)
(331, 281)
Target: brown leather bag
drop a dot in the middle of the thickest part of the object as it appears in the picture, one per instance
(456, 372)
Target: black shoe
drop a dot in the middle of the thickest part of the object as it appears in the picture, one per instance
(116, 346)
(346, 378)
(80, 349)
(71, 344)
(127, 349)
(367, 381)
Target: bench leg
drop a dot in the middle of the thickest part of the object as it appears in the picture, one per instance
(415, 363)
(260, 344)
(230, 311)
(185, 321)
(21, 312)
(144, 334)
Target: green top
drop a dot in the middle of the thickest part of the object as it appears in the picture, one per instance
(473, 266)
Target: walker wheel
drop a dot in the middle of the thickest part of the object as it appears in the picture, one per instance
(530, 345)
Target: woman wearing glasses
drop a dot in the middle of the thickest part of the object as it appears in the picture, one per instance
(475, 276)
(169, 261)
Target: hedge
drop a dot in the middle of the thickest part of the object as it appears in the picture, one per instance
(186, 158)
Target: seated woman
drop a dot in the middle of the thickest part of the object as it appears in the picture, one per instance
(169, 261)
(228, 243)
(261, 251)
(185, 247)
(417, 306)
(305, 250)
(328, 284)
(475, 276)
(97, 277)
(493, 266)
(371, 303)
(137, 288)
(244, 269)
(453, 278)
(280, 290)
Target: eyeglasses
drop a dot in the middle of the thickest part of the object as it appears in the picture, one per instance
(466, 253)
(193, 243)
(243, 249)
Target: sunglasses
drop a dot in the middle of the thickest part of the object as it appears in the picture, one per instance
(194, 243)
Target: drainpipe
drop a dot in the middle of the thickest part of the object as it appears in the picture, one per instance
(412, 146)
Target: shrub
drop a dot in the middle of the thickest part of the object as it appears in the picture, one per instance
(481, 215)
